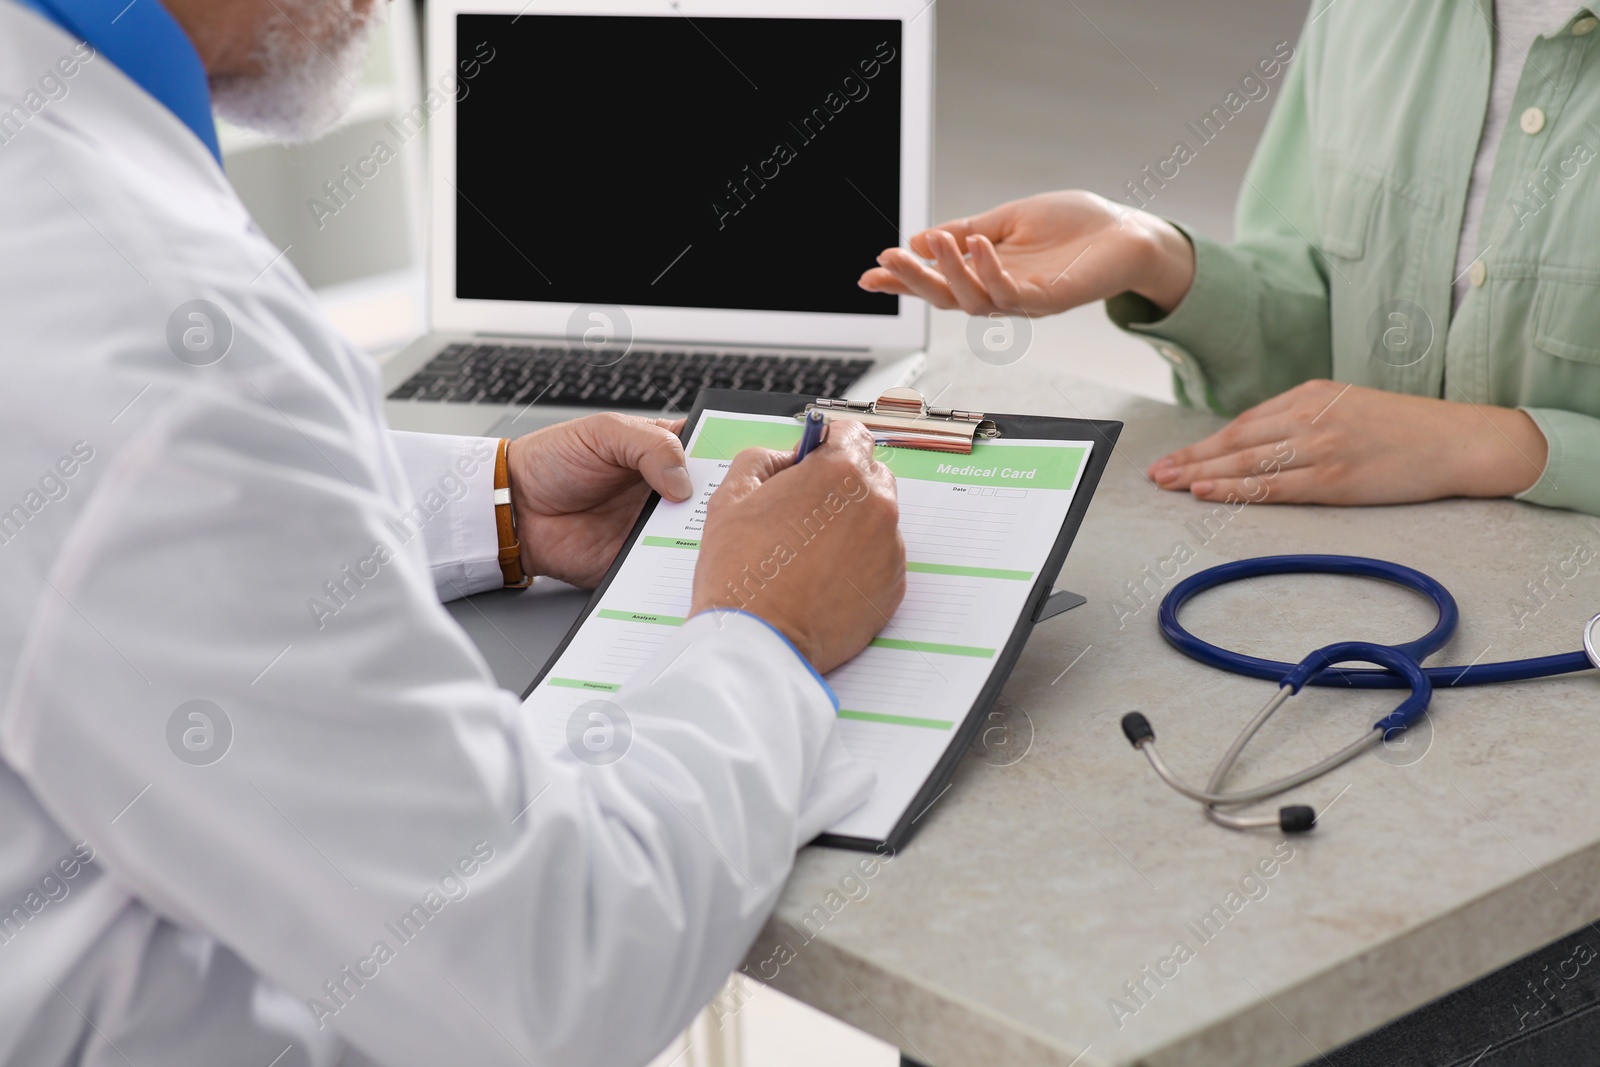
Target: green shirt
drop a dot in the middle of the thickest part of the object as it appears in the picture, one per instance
(1349, 218)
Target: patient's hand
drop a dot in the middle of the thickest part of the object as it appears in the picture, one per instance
(1041, 255)
(577, 488)
(1326, 443)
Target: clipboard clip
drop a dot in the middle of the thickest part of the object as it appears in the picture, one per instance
(902, 418)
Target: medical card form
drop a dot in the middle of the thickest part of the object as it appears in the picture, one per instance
(978, 530)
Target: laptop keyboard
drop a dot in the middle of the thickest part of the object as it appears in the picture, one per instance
(517, 374)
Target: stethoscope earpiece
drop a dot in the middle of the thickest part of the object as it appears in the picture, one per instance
(1137, 729)
(1297, 818)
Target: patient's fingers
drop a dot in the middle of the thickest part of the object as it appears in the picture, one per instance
(1002, 287)
(1237, 436)
(965, 285)
(918, 278)
(878, 280)
(921, 244)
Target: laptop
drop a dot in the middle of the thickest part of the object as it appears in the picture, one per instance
(632, 201)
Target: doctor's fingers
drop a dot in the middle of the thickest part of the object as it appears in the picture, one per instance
(648, 446)
(749, 469)
(849, 451)
(1264, 461)
(843, 465)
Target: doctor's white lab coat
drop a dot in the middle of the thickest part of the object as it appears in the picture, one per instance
(380, 868)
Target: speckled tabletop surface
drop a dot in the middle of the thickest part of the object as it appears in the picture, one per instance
(1037, 917)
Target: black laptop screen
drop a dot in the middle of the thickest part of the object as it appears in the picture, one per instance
(742, 163)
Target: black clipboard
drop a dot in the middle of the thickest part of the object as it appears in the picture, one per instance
(1042, 602)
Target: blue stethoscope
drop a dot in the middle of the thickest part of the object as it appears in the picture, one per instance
(1401, 667)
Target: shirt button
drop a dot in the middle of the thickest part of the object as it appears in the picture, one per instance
(1585, 26)
(1532, 120)
(1478, 275)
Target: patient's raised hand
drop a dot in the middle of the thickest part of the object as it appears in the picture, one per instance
(1037, 256)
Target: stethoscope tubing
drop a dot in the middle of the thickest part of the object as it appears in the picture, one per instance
(1400, 666)
(1358, 678)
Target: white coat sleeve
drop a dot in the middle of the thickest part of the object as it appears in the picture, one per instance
(380, 834)
(452, 486)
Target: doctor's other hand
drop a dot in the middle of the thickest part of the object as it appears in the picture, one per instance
(812, 548)
(1037, 256)
(577, 487)
(1327, 443)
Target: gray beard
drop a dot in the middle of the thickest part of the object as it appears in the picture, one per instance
(302, 89)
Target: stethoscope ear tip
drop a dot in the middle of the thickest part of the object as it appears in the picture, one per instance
(1137, 729)
(1296, 818)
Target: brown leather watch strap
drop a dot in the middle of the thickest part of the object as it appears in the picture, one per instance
(505, 525)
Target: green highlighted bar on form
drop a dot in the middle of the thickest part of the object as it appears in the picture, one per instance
(670, 542)
(930, 646)
(968, 572)
(726, 438)
(639, 616)
(579, 683)
(894, 720)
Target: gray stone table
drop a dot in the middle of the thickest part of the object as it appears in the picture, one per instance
(1036, 917)
(1033, 917)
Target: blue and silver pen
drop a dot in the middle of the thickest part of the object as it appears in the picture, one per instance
(811, 436)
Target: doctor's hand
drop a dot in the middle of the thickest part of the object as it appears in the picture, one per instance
(1041, 255)
(813, 548)
(1327, 443)
(577, 487)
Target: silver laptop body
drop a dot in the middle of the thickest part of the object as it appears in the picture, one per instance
(631, 202)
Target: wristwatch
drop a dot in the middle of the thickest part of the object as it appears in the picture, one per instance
(505, 523)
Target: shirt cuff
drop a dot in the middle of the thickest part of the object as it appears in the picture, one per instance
(1571, 477)
(1199, 335)
(826, 688)
(452, 494)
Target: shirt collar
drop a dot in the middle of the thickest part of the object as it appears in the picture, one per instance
(148, 45)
